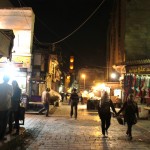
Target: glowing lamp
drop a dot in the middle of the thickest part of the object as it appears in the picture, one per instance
(71, 58)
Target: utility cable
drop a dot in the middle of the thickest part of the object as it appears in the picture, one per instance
(81, 24)
(20, 1)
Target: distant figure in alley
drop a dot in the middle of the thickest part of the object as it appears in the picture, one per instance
(74, 99)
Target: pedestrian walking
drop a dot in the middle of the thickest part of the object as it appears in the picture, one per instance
(74, 99)
(46, 101)
(15, 105)
(6, 93)
(130, 113)
(62, 96)
(104, 113)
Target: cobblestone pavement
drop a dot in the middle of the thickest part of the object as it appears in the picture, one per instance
(59, 131)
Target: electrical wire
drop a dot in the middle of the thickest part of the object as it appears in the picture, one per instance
(36, 39)
(82, 24)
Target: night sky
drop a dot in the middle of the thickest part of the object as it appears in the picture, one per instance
(57, 19)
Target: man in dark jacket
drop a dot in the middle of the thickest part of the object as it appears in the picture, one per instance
(74, 98)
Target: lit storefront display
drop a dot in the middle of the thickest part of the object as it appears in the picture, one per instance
(15, 71)
(137, 81)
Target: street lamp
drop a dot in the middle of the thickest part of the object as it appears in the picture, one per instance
(113, 75)
(83, 76)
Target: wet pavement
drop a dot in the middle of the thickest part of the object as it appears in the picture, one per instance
(59, 131)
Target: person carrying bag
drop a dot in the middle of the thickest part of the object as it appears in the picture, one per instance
(105, 113)
(131, 114)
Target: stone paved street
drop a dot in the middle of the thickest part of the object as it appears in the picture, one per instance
(59, 131)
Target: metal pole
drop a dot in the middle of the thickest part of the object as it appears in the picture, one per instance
(84, 82)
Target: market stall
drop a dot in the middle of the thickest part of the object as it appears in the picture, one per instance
(137, 81)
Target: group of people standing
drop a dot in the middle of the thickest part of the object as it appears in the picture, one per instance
(9, 107)
(129, 110)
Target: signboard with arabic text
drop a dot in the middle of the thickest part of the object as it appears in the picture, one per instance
(139, 69)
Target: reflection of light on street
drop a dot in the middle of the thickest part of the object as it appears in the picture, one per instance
(82, 107)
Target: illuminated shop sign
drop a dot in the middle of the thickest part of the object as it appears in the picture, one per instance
(19, 61)
(143, 69)
(25, 60)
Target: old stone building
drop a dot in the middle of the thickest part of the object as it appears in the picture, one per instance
(128, 34)
(129, 46)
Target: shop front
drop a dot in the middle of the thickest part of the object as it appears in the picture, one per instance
(16, 70)
(137, 81)
(112, 88)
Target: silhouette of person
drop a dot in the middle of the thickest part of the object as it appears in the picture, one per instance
(6, 93)
(15, 105)
(74, 99)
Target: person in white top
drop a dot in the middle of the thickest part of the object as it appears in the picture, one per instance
(6, 93)
(46, 101)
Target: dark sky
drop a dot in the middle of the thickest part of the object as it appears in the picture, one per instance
(57, 19)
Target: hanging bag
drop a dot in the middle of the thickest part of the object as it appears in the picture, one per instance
(120, 120)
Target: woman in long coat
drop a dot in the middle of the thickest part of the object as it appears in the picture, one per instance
(105, 113)
(130, 110)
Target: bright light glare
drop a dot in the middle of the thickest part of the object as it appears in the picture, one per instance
(113, 75)
(85, 93)
(10, 70)
(91, 94)
(83, 76)
(99, 87)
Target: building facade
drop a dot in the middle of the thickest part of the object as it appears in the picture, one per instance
(128, 45)
(21, 22)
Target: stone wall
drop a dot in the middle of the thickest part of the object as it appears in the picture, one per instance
(137, 34)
